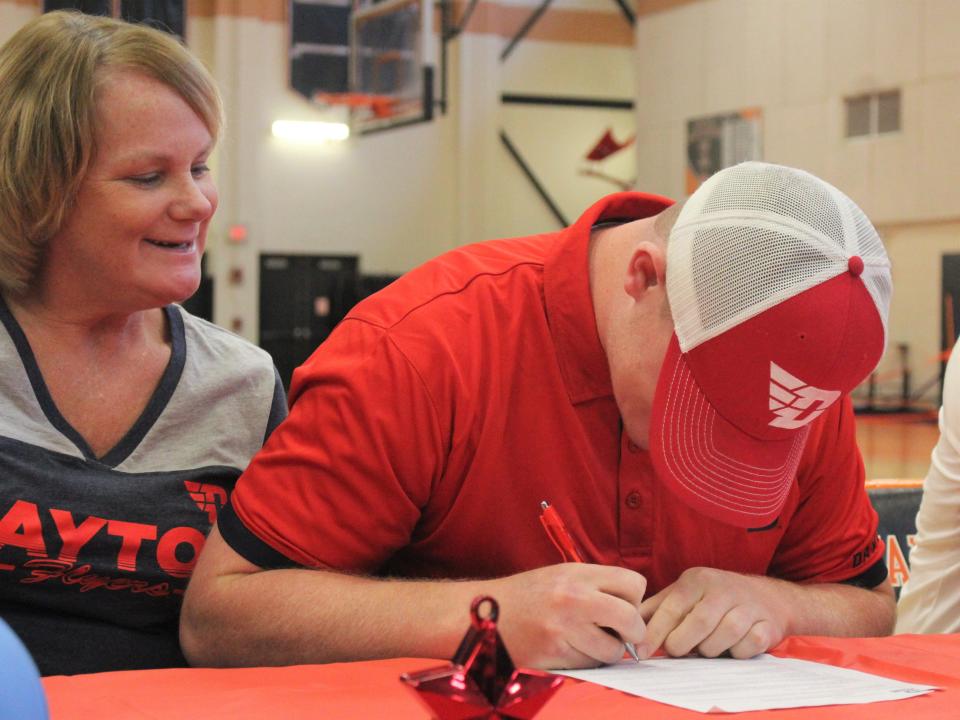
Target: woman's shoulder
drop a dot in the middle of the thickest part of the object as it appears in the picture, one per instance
(207, 341)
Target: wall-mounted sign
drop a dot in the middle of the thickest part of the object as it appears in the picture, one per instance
(719, 141)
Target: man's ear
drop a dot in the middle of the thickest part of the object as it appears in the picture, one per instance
(647, 269)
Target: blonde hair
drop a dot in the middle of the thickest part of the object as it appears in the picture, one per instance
(49, 74)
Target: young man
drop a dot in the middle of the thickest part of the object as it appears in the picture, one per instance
(673, 381)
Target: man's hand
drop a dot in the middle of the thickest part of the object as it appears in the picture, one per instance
(236, 613)
(554, 617)
(715, 611)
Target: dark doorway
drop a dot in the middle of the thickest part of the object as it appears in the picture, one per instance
(166, 15)
(201, 302)
(90, 7)
(302, 298)
(949, 309)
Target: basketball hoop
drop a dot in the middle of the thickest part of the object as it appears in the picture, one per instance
(381, 106)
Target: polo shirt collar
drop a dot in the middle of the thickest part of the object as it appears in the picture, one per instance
(566, 287)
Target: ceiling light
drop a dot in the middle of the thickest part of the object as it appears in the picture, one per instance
(310, 131)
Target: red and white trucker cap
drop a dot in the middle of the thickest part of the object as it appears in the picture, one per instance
(779, 288)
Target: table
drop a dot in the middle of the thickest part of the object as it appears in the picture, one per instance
(372, 689)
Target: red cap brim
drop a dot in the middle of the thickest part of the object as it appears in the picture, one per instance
(701, 456)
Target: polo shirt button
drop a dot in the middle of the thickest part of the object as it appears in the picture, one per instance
(633, 500)
(633, 447)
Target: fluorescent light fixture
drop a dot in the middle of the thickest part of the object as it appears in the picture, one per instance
(309, 131)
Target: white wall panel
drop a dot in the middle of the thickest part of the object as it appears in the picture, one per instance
(670, 75)
(938, 159)
(802, 55)
(661, 155)
(939, 47)
(797, 60)
(744, 35)
(799, 135)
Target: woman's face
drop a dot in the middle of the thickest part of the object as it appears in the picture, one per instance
(136, 234)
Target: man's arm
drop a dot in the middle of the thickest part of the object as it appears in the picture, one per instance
(235, 613)
(715, 611)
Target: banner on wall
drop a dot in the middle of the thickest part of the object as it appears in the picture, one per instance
(719, 141)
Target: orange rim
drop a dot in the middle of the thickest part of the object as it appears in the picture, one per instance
(893, 483)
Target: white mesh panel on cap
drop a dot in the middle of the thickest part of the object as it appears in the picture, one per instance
(880, 287)
(770, 190)
(757, 234)
(876, 271)
(736, 268)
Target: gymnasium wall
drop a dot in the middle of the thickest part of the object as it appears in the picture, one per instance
(400, 197)
(797, 60)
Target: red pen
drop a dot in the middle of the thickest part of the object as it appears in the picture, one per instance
(561, 539)
(557, 532)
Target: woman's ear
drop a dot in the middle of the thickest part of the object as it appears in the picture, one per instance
(647, 269)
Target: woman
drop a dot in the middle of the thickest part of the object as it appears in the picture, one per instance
(124, 421)
(930, 600)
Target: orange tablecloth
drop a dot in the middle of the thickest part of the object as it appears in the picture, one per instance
(372, 689)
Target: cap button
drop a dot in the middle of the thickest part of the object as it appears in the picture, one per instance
(855, 265)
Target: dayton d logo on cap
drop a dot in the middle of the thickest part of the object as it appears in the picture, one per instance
(779, 288)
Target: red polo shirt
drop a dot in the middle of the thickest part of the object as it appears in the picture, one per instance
(425, 432)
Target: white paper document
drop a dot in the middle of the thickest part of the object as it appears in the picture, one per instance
(725, 685)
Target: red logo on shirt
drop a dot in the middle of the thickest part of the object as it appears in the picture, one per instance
(22, 527)
(208, 497)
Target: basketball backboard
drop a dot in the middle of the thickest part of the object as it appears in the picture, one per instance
(391, 62)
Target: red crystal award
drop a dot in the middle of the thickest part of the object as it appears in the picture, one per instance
(481, 682)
